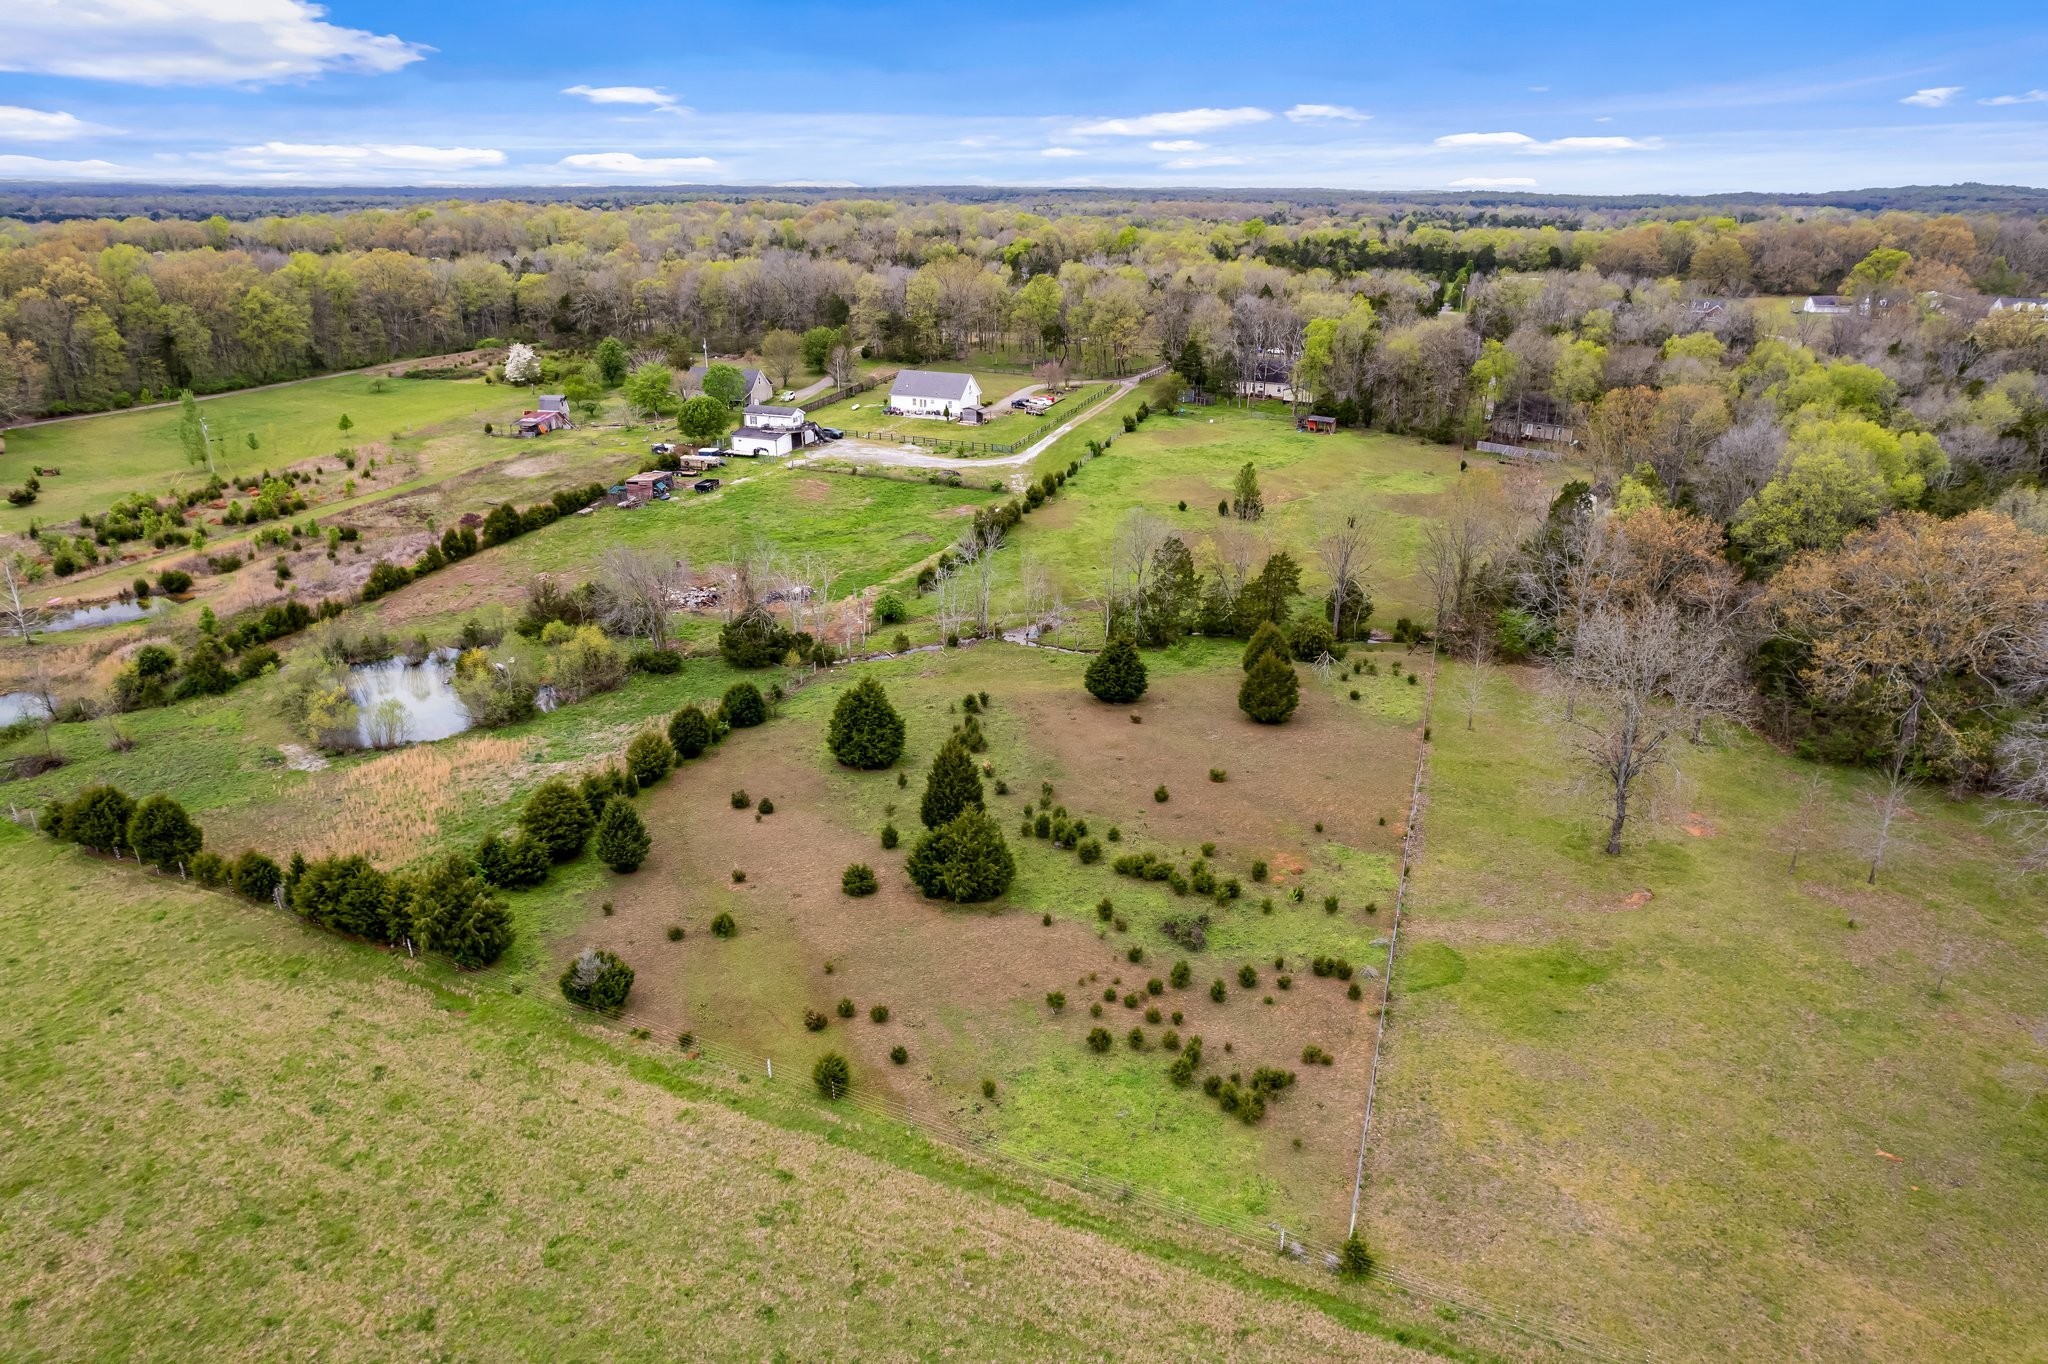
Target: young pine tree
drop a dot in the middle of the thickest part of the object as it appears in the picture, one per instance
(1117, 674)
(1271, 691)
(866, 731)
(622, 841)
(951, 786)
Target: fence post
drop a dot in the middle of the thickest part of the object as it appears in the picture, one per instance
(771, 1067)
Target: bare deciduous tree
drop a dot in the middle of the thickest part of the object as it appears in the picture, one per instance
(2023, 778)
(1343, 547)
(1138, 537)
(1625, 663)
(22, 617)
(1478, 660)
(1455, 547)
(637, 592)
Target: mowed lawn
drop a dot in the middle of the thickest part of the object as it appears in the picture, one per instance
(106, 457)
(1398, 481)
(230, 1137)
(1699, 1101)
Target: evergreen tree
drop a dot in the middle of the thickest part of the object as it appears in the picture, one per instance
(1271, 691)
(1270, 596)
(1247, 503)
(755, 639)
(964, 860)
(349, 895)
(161, 832)
(832, 1076)
(650, 757)
(1266, 639)
(558, 818)
(622, 841)
(255, 875)
(952, 785)
(689, 732)
(1174, 595)
(1116, 674)
(206, 671)
(98, 818)
(597, 979)
(866, 732)
(742, 707)
(449, 909)
(1190, 365)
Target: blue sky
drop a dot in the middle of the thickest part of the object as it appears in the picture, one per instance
(1596, 98)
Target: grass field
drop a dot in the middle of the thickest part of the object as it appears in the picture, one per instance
(228, 1137)
(1702, 1102)
(104, 458)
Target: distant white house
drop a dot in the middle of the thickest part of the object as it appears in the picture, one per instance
(772, 431)
(1831, 305)
(758, 389)
(933, 393)
(2003, 304)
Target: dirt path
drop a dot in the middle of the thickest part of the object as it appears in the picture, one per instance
(910, 457)
(387, 367)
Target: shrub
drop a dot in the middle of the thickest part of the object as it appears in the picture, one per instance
(658, 662)
(96, 817)
(878, 1013)
(765, 806)
(1099, 1039)
(1354, 992)
(723, 926)
(964, 860)
(889, 836)
(1182, 1071)
(738, 877)
(1354, 1261)
(559, 819)
(174, 581)
(255, 875)
(755, 639)
(1191, 933)
(650, 757)
(832, 1076)
(1259, 870)
(899, 1054)
(161, 832)
(348, 895)
(1056, 1000)
(858, 880)
(890, 609)
(449, 910)
(1310, 637)
(1267, 639)
(1271, 691)
(866, 732)
(1159, 794)
(742, 706)
(511, 866)
(675, 932)
(1217, 992)
(1180, 975)
(988, 1088)
(951, 787)
(208, 868)
(814, 1021)
(622, 841)
(1117, 674)
(1246, 976)
(845, 1009)
(1135, 954)
(1089, 850)
(1218, 774)
(689, 732)
(741, 800)
(597, 979)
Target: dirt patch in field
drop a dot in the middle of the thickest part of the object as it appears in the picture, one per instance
(1636, 899)
(1696, 826)
(811, 490)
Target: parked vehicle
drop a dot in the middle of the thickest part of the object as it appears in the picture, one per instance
(661, 447)
(705, 485)
(1019, 404)
(831, 433)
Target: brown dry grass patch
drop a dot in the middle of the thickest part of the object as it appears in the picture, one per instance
(388, 809)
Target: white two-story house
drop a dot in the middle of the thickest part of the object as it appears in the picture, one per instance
(933, 393)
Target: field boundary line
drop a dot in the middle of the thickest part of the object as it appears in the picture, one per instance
(1379, 1036)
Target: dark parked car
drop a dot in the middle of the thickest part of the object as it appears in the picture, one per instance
(705, 485)
(831, 433)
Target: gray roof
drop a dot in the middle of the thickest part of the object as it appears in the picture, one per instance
(696, 376)
(757, 433)
(764, 410)
(931, 383)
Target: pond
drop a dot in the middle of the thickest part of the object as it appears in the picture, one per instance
(400, 702)
(106, 613)
(17, 706)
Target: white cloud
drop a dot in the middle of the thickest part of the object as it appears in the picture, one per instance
(1199, 162)
(1326, 113)
(1062, 151)
(644, 95)
(2031, 97)
(1184, 121)
(327, 156)
(1486, 140)
(1494, 182)
(37, 125)
(631, 163)
(1178, 144)
(190, 42)
(42, 168)
(1934, 96)
(1524, 143)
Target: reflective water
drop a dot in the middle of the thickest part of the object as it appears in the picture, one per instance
(17, 706)
(407, 703)
(106, 613)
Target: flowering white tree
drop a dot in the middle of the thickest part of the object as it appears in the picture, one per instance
(522, 366)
